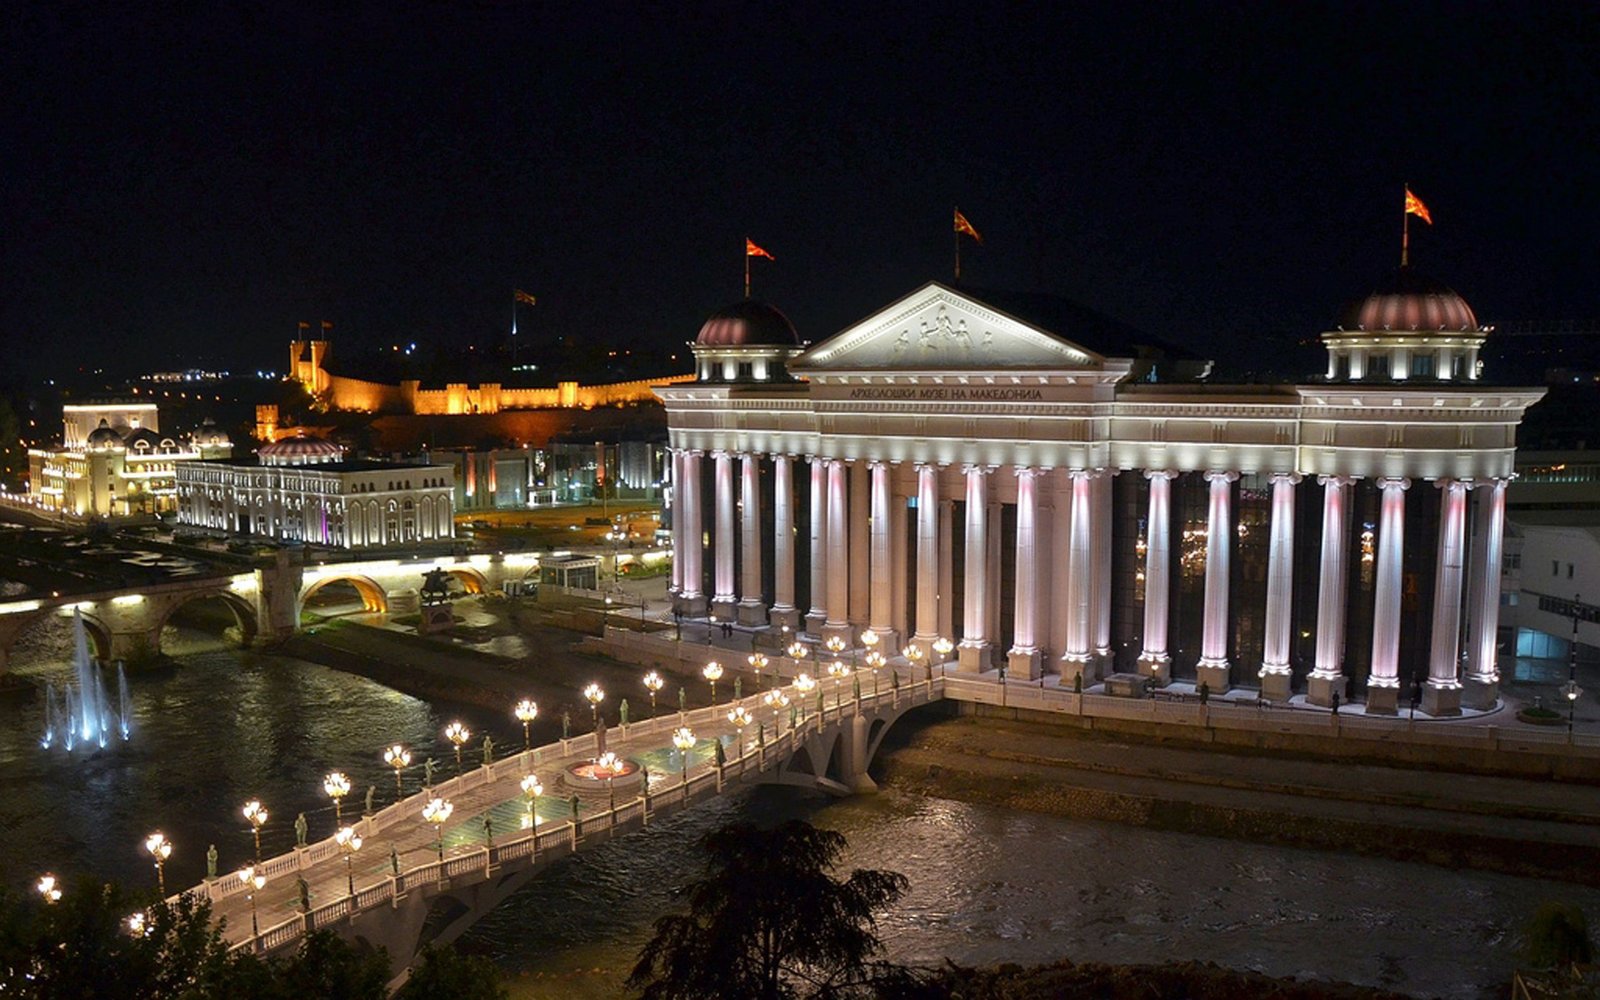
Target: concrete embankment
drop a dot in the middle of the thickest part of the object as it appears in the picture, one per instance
(1517, 826)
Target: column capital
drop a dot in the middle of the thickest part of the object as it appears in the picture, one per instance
(748, 455)
(1492, 482)
(982, 470)
(1396, 482)
(721, 453)
(1028, 471)
(1445, 483)
(1218, 475)
(1338, 480)
(693, 452)
(1160, 474)
(1085, 473)
(1292, 478)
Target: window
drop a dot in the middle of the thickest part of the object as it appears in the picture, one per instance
(1555, 567)
(1422, 366)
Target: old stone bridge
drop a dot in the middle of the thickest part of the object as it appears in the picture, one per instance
(265, 603)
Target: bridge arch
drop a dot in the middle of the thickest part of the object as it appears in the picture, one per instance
(373, 596)
(98, 634)
(471, 580)
(244, 614)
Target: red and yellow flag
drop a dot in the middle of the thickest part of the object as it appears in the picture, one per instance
(524, 297)
(963, 226)
(1414, 206)
(751, 250)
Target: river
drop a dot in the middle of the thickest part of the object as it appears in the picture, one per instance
(987, 884)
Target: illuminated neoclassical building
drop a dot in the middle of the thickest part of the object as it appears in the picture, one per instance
(114, 461)
(1064, 498)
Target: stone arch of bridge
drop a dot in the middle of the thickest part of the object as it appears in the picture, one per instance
(98, 634)
(373, 596)
(471, 580)
(244, 614)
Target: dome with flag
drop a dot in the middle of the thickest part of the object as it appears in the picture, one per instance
(748, 324)
(1406, 301)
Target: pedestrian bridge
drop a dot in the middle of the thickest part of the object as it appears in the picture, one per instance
(824, 739)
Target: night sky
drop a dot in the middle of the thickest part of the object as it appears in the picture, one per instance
(187, 187)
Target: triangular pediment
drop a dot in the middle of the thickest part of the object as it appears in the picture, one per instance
(937, 328)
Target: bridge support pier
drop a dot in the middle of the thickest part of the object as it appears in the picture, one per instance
(853, 753)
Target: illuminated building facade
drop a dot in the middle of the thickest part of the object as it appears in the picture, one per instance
(305, 490)
(518, 478)
(1066, 499)
(115, 462)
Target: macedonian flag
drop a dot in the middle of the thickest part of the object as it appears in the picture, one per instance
(751, 250)
(963, 226)
(525, 298)
(1414, 206)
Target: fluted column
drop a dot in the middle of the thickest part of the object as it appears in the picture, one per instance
(692, 596)
(1022, 660)
(1482, 688)
(880, 610)
(974, 652)
(818, 615)
(1076, 660)
(1442, 694)
(1212, 670)
(1327, 679)
(752, 611)
(784, 611)
(859, 547)
(838, 551)
(1100, 589)
(1276, 673)
(725, 595)
(1383, 684)
(927, 558)
(1155, 662)
(675, 518)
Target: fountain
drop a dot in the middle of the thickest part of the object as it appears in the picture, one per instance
(83, 713)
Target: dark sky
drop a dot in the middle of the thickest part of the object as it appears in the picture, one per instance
(175, 184)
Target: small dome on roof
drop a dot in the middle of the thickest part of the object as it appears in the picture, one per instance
(299, 451)
(210, 435)
(1408, 301)
(748, 324)
(143, 439)
(104, 437)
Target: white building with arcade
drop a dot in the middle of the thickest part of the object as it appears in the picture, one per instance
(1066, 499)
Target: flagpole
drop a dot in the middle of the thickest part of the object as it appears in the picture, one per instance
(958, 250)
(747, 267)
(513, 328)
(1405, 229)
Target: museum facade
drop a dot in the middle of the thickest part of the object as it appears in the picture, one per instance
(1064, 498)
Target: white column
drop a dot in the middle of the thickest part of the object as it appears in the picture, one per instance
(947, 568)
(818, 614)
(1100, 590)
(881, 599)
(1060, 561)
(784, 611)
(1155, 661)
(974, 652)
(927, 557)
(1383, 684)
(859, 550)
(838, 551)
(751, 609)
(1327, 679)
(1213, 667)
(693, 537)
(1023, 659)
(1442, 695)
(1080, 557)
(675, 518)
(1483, 617)
(725, 595)
(1276, 673)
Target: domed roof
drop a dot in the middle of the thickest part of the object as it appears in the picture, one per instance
(299, 451)
(1408, 301)
(143, 439)
(748, 324)
(211, 435)
(104, 437)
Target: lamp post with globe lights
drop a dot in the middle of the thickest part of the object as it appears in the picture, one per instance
(337, 785)
(875, 660)
(135, 923)
(256, 813)
(835, 644)
(683, 739)
(253, 882)
(349, 842)
(804, 684)
(798, 651)
(838, 671)
(457, 734)
(913, 654)
(713, 673)
(777, 701)
(49, 889)
(437, 811)
(740, 717)
(1572, 692)
(526, 711)
(160, 848)
(594, 696)
(653, 683)
(611, 765)
(943, 646)
(532, 789)
(399, 758)
(758, 662)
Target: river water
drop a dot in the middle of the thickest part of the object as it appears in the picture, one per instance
(987, 884)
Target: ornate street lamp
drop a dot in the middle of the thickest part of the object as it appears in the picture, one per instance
(740, 717)
(757, 662)
(943, 646)
(256, 813)
(913, 654)
(594, 695)
(778, 701)
(612, 765)
(160, 848)
(683, 739)
(835, 644)
(532, 789)
(875, 660)
(437, 812)
(135, 923)
(399, 758)
(337, 785)
(349, 842)
(48, 889)
(253, 881)
(458, 734)
(713, 673)
(838, 671)
(804, 684)
(526, 711)
(653, 683)
(798, 651)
